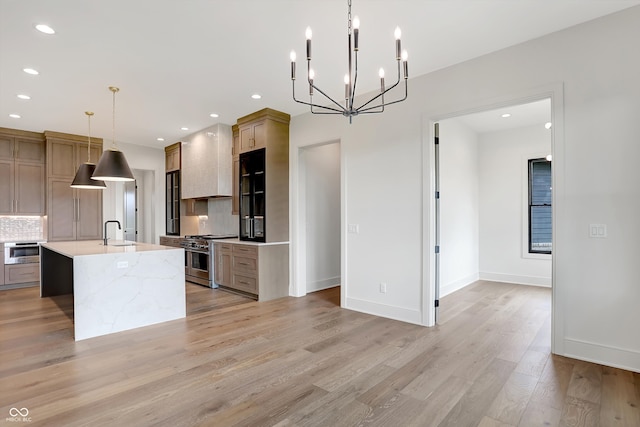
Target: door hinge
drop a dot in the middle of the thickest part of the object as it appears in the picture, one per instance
(437, 249)
(437, 194)
(436, 140)
(437, 303)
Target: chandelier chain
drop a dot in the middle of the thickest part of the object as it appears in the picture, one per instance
(349, 18)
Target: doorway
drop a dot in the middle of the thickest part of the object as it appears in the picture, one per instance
(482, 193)
(319, 216)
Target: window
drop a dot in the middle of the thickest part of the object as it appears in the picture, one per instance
(540, 206)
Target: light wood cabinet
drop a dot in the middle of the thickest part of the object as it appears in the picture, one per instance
(22, 173)
(21, 273)
(235, 151)
(73, 214)
(222, 271)
(172, 157)
(269, 130)
(172, 241)
(2, 264)
(260, 271)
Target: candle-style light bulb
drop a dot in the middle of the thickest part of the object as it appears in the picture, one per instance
(293, 64)
(346, 86)
(405, 56)
(312, 74)
(356, 32)
(292, 55)
(398, 34)
(381, 74)
(308, 35)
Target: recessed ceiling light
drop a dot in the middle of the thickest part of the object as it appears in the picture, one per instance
(23, 96)
(505, 115)
(160, 139)
(14, 116)
(549, 157)
(547, 125)
(44, 28)
(214, 115)
(30, 71)
(256, 96)
(183, 128)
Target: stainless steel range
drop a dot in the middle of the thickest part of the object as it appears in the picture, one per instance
(198, 254)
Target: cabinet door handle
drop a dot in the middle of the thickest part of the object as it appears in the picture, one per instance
(78, 208)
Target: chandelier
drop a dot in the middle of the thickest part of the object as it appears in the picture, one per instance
(347, 107)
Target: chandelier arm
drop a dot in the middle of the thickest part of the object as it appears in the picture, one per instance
(381, 94)
(342, 109)
(315, 105)
(406, 92)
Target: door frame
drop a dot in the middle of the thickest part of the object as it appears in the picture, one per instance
(298, 238)
(555, 92)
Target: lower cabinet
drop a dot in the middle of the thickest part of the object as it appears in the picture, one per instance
(257, 270)
(21, 273)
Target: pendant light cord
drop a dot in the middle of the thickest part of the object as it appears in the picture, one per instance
(89, 114)
(113, 126)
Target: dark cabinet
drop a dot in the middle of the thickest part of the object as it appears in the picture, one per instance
(252, 195)
(172, 186)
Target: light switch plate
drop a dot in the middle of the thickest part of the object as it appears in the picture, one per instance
(597, 231)
(354, 228)
(123, 264)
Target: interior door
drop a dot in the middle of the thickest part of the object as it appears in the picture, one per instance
(130, 210)
(436, 141)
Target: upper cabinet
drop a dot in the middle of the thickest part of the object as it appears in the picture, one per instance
(235, 199)
(207, 163)
(262, 128)
(264, 184)
(22, 173)
(172, 157)
(73, 214)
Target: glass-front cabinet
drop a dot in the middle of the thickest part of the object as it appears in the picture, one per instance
(173, 203)
(252, 195)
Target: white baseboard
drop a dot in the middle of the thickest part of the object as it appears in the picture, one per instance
(319, 285)
(602, 354)
(520, 280)
(384, 310)
(458, 284)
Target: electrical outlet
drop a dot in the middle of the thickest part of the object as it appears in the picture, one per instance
(383, 288)
(353, 228)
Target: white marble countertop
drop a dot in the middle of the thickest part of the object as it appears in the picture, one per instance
(96, 247)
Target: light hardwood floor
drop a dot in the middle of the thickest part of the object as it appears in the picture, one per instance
(307, 362)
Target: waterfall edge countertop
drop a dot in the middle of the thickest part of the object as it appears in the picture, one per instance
(96, 247)
(115, 287)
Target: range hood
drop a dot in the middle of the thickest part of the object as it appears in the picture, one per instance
(207, 163)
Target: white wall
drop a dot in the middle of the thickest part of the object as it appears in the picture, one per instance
(322, 189)
(148, 159)
(459, 206)
(503, 214)
(590, 71)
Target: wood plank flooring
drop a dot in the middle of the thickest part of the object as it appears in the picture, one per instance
(306, 362)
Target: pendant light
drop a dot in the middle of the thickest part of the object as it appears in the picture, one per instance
(112, 165)
(83, 175)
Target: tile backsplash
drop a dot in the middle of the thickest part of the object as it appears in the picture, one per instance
(20, 228)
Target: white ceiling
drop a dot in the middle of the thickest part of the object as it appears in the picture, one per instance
(178, 61)
(521, 115)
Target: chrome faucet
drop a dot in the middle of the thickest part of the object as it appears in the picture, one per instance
(105, 229)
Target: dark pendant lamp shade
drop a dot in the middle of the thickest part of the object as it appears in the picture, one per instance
(83, 178)
(112, 167)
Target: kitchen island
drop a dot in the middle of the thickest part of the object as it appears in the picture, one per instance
(117, 287)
